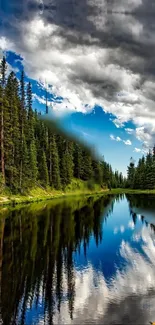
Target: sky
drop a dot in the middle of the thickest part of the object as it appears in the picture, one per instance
(97, 60)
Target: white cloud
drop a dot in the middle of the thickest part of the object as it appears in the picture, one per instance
(129, 131)
(85, 70)
(137, 150)
(127, 142)
(50, 58)
(5, 44)
(112, 137)
(118, 139)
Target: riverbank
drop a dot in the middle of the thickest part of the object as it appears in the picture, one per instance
(76, 188)
(39, 194)
(19, 199)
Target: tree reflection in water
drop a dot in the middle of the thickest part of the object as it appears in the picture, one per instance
(37, 246)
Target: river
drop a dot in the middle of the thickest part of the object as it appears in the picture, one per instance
(87, 260)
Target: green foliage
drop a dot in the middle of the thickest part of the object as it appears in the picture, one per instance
(54, 163)
(34, 154)
(143, 176)
(87, 166)
(131, 173)
(43, 170)
(33, 163)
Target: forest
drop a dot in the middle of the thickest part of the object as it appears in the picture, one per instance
(142, 176)
(34, 154)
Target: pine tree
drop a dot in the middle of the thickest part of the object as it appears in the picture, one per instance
(31, 118)
(148, 171)
(22, 120)
(3, 68)
(31, 153)
(78, 163)
(97, 171)
(43, 170)
(8, 128)
(16, 135)
(33, 164)
(131, 173)
(54, 163)
(25, 165)
(87, 166)
(67, 165)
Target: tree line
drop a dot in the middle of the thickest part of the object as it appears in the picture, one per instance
(142, 176)
(32, 154)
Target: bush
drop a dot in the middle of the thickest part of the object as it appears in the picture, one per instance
(90, 185)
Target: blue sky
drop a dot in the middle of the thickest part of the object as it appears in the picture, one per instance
(94, 127)
(98, 68)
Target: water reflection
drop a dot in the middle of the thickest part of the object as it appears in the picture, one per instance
(143, 206)
(62, 262)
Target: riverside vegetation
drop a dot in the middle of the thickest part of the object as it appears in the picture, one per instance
(38, 160)
(36, 155)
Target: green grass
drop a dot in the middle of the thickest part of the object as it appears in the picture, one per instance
(76, 188)
(130, 191)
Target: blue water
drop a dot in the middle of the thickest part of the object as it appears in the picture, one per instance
(90, 261)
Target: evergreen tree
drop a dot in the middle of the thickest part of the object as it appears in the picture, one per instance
(8, 128)
(54, 163)
(31, 118)
(16, 136)
(131, 173)
(31, 153)
(77, 158)
(25, 180)
(148, 171)
(87, 166)
(143, 176)
(43, 170)
(33, 164)
(22, 120)
(67, 165)
(97, 171)
(3, 68)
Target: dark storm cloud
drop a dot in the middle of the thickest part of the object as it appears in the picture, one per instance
(73, 16)
(106, 47)
(116, 29)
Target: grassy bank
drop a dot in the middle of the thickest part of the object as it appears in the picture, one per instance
(76, 188)
(130, 191)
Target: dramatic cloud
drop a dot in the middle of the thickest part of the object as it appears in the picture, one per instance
(91, 52)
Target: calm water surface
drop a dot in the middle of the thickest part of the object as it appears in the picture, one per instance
(78, 261)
